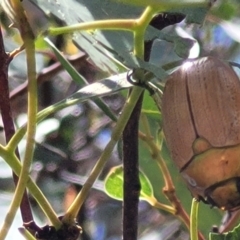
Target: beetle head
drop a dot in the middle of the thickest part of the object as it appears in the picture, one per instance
(219, 183)
(225, 195)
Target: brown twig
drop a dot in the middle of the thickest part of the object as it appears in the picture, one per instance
(131, 184)
(130, 145)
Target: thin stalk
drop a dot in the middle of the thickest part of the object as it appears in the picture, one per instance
(194, 220)
(155, 203)
(26, 234)
(28, 39)
(139, 32)
(114, 24)
(8, 122)
(156, 154)
(117, 131)
(46, 207)
(169, 189)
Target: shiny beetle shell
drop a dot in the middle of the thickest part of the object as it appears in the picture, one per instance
(201, 123)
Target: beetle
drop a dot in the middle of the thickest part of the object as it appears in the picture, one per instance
(201, 124)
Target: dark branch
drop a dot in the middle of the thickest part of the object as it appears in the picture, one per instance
(8, 123)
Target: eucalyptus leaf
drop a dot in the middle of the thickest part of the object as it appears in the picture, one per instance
(136, 63)
(167, 3)
(92, 91)
(232, 235)
(102, 88)
(182, 46)
(99, 45)
(195, 11)
(68, 11)
(150, 108)
(114, 184)
(80, 80)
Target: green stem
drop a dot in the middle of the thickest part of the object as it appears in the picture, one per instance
(28, 40)
(137, 26)
(114, 24)
(117, 131)
(194, 220)
(17, 137)
(26, 234)
(15, 165)
(139, 32)
(155, 151)
(155, 203)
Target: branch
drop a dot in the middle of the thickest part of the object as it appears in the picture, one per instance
(8, 122)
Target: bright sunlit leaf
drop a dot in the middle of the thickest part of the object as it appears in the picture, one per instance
(114, 184)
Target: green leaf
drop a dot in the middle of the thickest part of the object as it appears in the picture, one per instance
(182, 46)
(232, 235)
(150, 108)
(195, 11)
(135, 63)
(226, 10)
(114, 184)
(95, 43)
(80, 80)
(100, 45)
(92, 91)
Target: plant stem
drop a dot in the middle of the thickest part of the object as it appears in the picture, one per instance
(156, 154)
(114, 24)
(117, 131)
(169, 189)
(131, 184)
(139, 32)
(154, 202)
(26, 234)
(194, 220)
(14, 163)
(21, 22)
(6, 113)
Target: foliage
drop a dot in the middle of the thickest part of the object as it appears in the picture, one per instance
(81, 95)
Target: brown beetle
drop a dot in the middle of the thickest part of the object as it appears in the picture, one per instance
(201, 122)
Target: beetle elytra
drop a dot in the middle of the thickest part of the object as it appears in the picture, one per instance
(201, 123)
